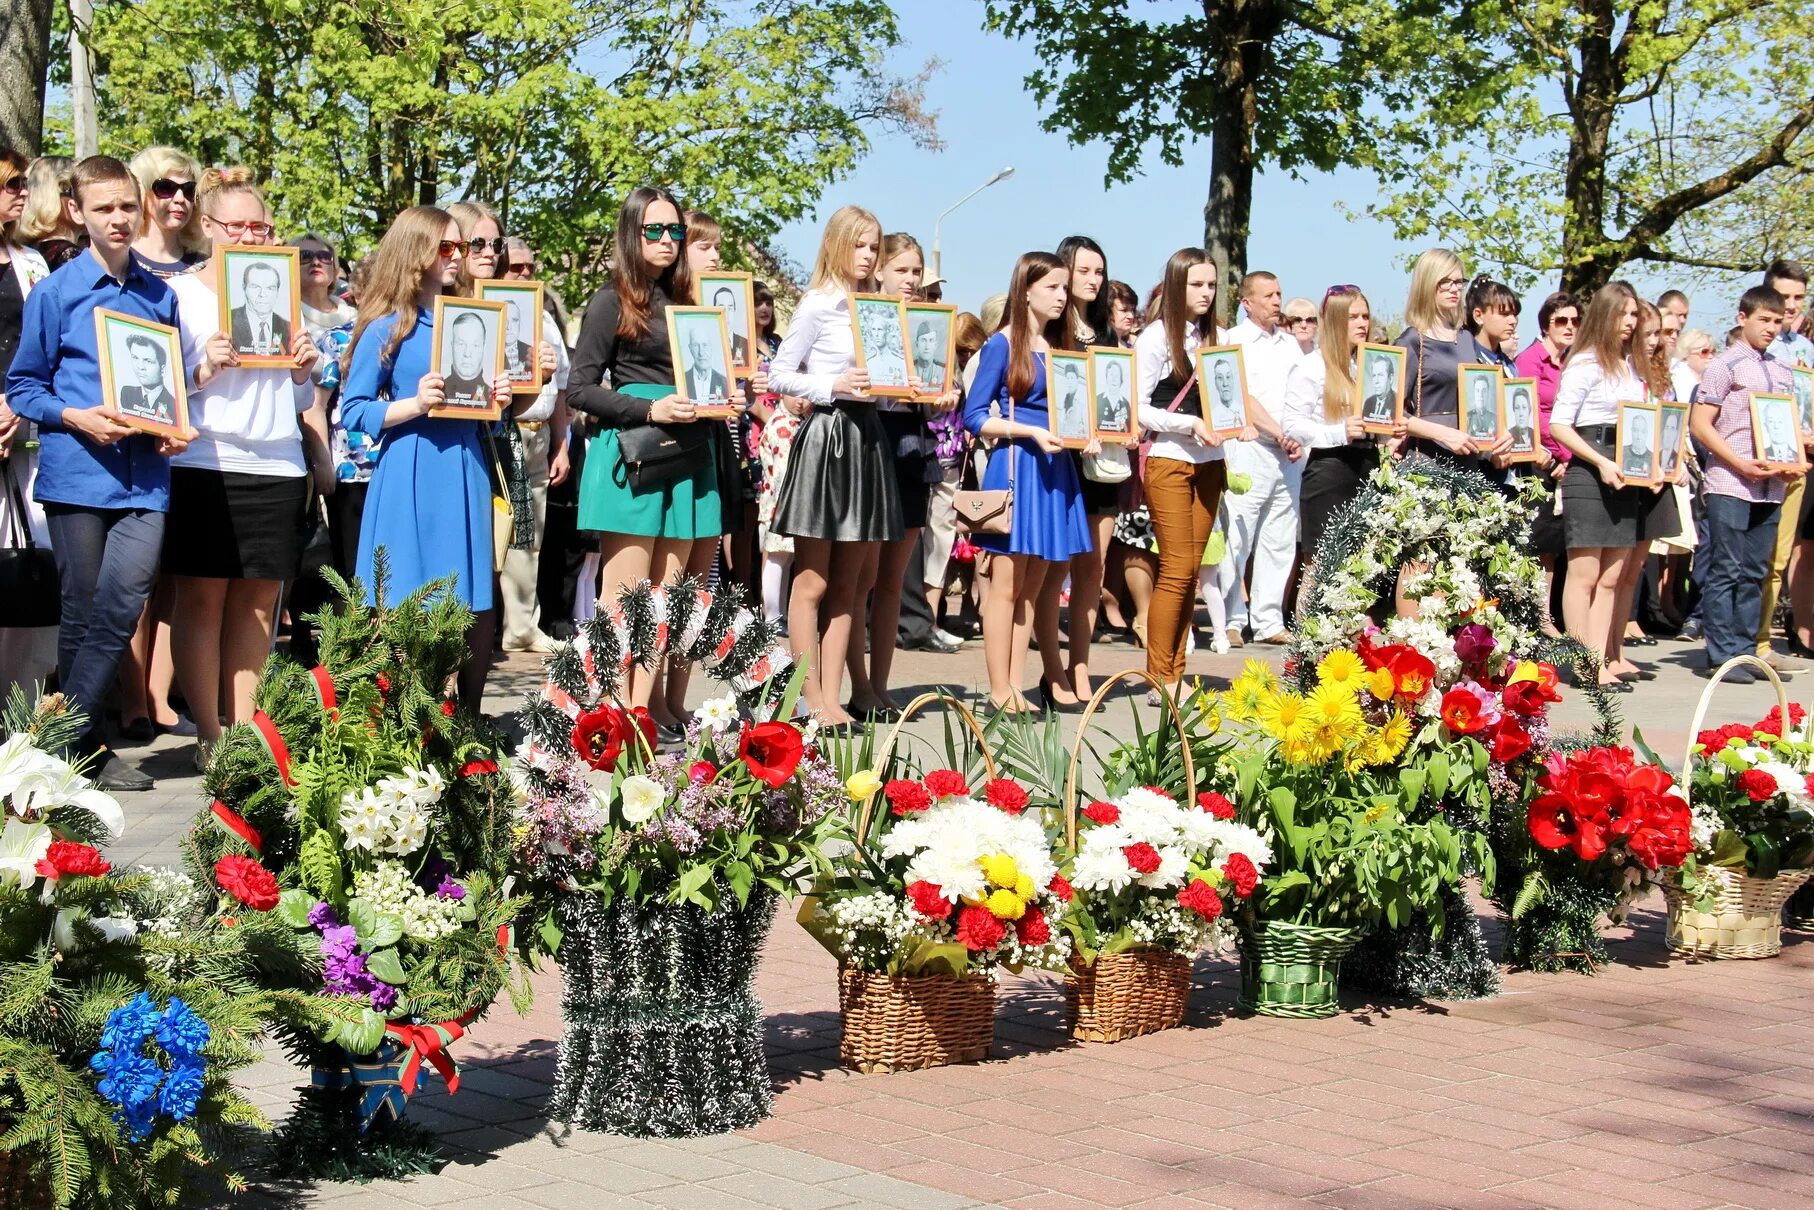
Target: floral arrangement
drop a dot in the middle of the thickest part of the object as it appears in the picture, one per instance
(151, 1064)
(1151, 873)
(1753, 794)
(947, 882)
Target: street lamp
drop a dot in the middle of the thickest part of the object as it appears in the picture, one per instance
(1003, 175)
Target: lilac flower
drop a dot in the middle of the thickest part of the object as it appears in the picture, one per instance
(449, 889)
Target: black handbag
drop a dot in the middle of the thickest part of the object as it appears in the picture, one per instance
(29, 591)
(654, 454)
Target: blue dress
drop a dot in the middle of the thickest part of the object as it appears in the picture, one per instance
(429, 504)
(1050, 521)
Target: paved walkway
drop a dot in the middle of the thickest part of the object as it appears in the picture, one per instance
(1654, 1082)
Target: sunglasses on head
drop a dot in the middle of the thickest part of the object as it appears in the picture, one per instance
(163, 189)
(309, 256)
(652, 232)
(15, 184)
(1332, 291)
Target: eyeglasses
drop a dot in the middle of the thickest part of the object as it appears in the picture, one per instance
(652, 232)
(235, 230)
(520, 268)
(309, 256)
(1565, 321)
(451, 248)
(1451, 283)
(17, 184)
(164, 189)
(474, 247)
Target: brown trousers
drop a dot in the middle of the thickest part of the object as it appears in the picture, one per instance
(1182, 497)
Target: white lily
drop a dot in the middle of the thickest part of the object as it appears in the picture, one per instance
(641, 797)
(64, 787)
(22, 846)
(22, 762)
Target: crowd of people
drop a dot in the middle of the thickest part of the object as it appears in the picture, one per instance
(183, 557)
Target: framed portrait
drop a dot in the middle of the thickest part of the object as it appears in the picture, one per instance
(1672, 439)
(1518, 416)
(1222, 384)
(469, 355)
(735, 295)
(522, 331)
(142, 375)
(1112, 394)
(1479, 395)
(260, 291)
(1068, 397)
(1379, 389)
(879, 324)
(704, 373)
(1637, 442)
(1773, 430)
(932, 335)
(1802, 378)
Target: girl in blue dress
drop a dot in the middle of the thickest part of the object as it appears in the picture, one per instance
(1049, 521)
(429, 503)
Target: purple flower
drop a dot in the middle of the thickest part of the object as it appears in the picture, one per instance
(321, 916)
(1473, 643)
(449, 889)
(384, 996)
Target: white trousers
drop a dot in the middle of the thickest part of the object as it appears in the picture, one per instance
(1260, 524)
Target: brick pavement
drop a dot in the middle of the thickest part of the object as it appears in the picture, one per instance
(1654, 1082)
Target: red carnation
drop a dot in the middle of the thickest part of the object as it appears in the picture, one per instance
(447, 709)
(1032, 930)
(1201, 898)
(1059, 887)
(978, 929)
(701, 771)
(1757, 785)
(1143, 857)
(383, 682)
(1005, 795)
(772, 751)
(247, 881)
(928, 900)
(68, 859)
(907, 797)
(1102, 812)
(1159, 791)
(1240, 870)
(946, 783)
(1216, 805)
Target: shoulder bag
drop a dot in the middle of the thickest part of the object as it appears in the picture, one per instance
(29, 590)
(988, 512)
(1136, 487)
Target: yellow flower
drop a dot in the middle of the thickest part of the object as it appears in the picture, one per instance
(862, 784)
(1282, 715)
(1006, 905)
(1391, 738)
(1260, 671)
(1342, 668)
(1333, 709)
(1244, 697)
(1000, 870)
(1023, 886)
(1381, 684)
(1377, 812)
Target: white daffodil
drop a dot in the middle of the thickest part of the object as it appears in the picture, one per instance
(22, 846)
(641, 798)
(719, 714)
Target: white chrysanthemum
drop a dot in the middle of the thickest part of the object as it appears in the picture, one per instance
(1099, 868)
(1173, 864)
(1141, 798)
(1232, 838)
(950, 840)
(1790, 782)
(956, 873)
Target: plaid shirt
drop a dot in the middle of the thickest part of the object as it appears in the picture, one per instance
(1728, 384)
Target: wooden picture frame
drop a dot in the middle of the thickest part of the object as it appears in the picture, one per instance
(1369, 397)
(143, 380)
(884, 360)
(520, 297)
(465, 398)
(1068, 397)
(1529, 446)
(1803, 379)
(1638, 469)
(721, 385)
(739, 317)
(1470, 378)
(938, 323)
(1671, 453)
(240, 272)
(1765, 407)
(1127, 431)
(1218, 414)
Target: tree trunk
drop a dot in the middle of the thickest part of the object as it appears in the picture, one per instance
(1588, 260)
(1244, 29)
(24, 62)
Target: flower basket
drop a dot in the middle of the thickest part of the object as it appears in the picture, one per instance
(1291, 970)
(1127, 994)
(909, 1022)
(663, 1030)
(1746, 920)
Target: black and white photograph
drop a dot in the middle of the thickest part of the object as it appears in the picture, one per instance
(1638, 442)
(1068, 397)
(879, 324)
(735, 295)
(1479, 386)
(260, 291)
(701, 351)
(932, 328)
(1112, 394)
(1380, 387)
(1673, 439)
(469, 355)
(522, 331)
(1222, 383)
(142, 375)
(1802, 378)
(1520, 395)
(1773, 428)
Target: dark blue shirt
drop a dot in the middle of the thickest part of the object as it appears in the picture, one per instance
(57, 367)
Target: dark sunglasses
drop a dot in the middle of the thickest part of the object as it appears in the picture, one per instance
(1294, 321)
(163, 189)
(310, 257)
(476, 246)
(1332, 291)
(652, 232)
(520, 266)
(1571, 321)
(16, 184)
(451, 248)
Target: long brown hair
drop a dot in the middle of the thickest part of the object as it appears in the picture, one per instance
(409, 251)
(1031, 267)
(1333, 346)
(1599, 331)
(1170, 309)
(633, 277)
(1653, 368)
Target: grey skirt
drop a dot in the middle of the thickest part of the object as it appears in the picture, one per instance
(840, 480)
(1595, 515)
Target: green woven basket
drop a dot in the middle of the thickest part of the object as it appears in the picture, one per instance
(1291, 970)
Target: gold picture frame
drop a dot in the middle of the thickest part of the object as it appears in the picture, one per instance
(1763, 408)
(938, 322)
(1524, 448)
(1217, 412)
(1068, 397)
(519, 297)
(873, 319)
(720, 384)
(234, 266)
(1369, 397)
(1639, 469)
(739, 319)
(1482, 429)
(478, 402)
(1127, 430)
(147, 391)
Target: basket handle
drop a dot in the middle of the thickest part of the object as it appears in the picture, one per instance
(886, 752)
(1700, 711)
(1083, 726)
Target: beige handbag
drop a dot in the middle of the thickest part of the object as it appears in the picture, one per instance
(988, 512)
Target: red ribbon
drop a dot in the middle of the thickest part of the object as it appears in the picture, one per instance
(324, 688)
(474, 768)
(280, 752)
(427, 1042)
(235, 823)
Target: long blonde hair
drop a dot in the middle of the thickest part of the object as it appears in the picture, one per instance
(1337, 353)
(409, 251)
(467, 215)
(1423, 310)
(46, 216)
(832, 268)
(154, 163)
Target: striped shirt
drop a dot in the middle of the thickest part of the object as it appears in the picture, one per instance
(1727, 384)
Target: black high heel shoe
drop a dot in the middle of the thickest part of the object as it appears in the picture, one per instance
(1045, 691)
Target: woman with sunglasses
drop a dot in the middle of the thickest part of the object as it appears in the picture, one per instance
(1558, 319)
(170, 243)
(1440, 345)
(429, 504)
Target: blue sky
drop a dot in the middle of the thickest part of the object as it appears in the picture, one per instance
(989, 121)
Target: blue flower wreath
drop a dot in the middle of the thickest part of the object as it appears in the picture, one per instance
(139, 1083)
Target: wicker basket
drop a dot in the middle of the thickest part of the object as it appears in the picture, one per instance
(1291, 970)
(1746, 920)
(1124, 995)
(908, 1022)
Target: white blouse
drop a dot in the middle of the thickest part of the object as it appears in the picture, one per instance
(1304, 421)
(1587, 395)
(818, 347)
(1173, 432)
(244, 419)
